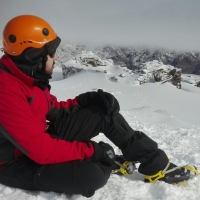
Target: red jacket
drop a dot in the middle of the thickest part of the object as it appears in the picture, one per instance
(23, 110)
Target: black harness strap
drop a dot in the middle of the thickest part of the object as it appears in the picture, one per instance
(5, 133)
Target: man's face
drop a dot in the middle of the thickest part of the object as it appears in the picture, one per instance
(50, 64)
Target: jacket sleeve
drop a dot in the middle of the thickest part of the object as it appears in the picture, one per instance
(70, 103)
(58, 109)
(27, 132)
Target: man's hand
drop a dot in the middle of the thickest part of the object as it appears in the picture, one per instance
(103, 153)
(101, 98)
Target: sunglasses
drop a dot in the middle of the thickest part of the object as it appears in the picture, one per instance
(52, 55)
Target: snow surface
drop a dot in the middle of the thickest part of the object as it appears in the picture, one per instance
(190, 78)
(167, 114)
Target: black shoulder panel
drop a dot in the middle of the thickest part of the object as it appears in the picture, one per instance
(5, 133)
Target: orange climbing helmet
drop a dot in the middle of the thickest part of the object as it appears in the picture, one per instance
(26, 31)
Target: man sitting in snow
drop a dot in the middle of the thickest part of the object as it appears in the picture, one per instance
(46, 145)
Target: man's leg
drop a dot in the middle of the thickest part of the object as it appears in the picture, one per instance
(80, 126)
(135, 145)
(77, 177)
(19, 174)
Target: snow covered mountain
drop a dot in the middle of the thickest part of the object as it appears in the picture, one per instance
(167, 114)
(152, 71)
(191, 78)
(132, 58)
(188, 62)
(72, 57)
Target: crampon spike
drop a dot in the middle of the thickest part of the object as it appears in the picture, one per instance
(125, 168)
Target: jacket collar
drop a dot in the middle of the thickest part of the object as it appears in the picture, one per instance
(10, 65)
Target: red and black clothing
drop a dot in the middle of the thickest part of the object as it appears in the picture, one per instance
(58, 157)
(24, 110)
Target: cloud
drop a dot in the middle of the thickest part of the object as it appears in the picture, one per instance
(165, 24)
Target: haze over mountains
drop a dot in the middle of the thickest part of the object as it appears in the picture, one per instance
(132, 58)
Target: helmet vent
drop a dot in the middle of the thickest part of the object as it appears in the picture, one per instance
(45, 31)
(26, 42)
(12, 38)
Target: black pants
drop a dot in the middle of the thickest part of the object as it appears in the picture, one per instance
(85, 177)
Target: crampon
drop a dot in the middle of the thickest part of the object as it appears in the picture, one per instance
(172, 174)
(123, 167)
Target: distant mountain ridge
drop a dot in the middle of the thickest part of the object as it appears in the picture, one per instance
(188, 62)
(149, 72)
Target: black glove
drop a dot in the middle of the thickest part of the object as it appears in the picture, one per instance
(103, 153)
(101, 98)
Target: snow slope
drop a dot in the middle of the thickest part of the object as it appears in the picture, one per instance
(165, 113)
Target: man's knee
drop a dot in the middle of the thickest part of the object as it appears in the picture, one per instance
(96, 178)
(79, 177)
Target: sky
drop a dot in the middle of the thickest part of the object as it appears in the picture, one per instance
(166, 24)
(168, 115)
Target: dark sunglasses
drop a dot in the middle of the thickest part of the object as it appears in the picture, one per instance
(52, 55)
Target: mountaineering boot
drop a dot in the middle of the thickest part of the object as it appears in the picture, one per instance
(123, 167)
(173, 174)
